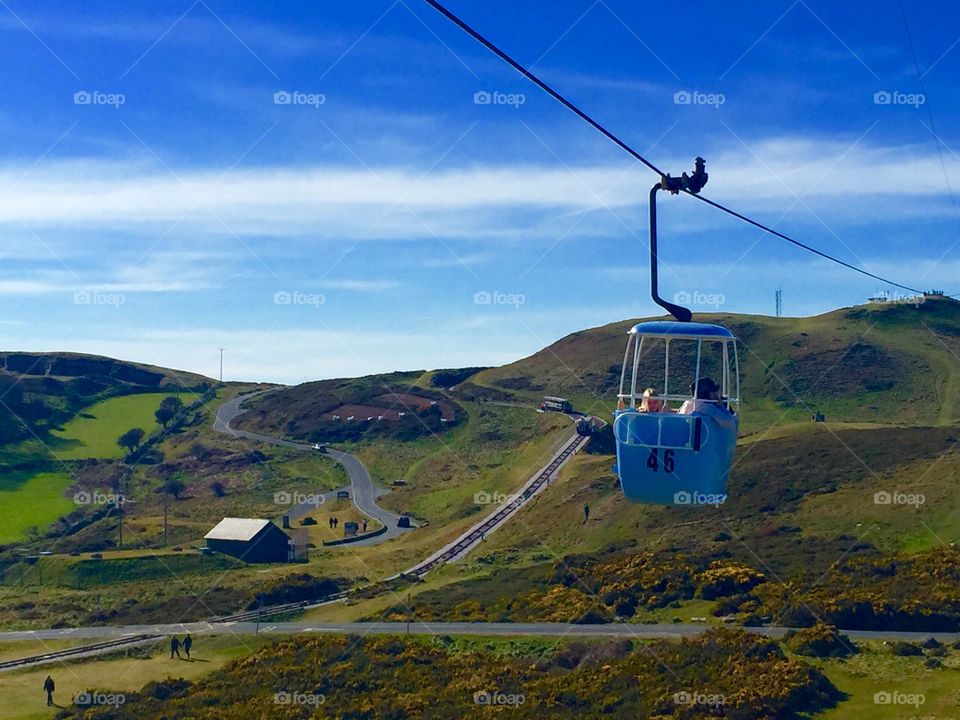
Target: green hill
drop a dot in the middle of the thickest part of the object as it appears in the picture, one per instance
(880, 364)
(895, 364)
(41, 391)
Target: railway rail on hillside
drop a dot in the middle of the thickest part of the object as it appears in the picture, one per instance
(476, 534)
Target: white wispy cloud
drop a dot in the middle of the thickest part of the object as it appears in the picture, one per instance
(395, 202)
(160, 272)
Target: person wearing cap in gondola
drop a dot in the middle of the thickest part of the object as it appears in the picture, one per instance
(706, 401)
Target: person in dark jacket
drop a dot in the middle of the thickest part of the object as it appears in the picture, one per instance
(174, 647)
(187, 644)
(48, 687)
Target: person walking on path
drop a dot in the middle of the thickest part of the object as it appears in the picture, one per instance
(187, 644)
(586, 512)
(364, 524)
(48, 687)
(174, 647)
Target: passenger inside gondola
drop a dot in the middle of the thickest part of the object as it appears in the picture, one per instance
(650, 402)
(706, 401)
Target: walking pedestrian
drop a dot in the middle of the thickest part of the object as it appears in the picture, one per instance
(586, 512)
(364, 524)
(48, 687)
(174, 647)
(187, 644)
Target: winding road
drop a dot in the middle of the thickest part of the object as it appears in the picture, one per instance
(363, 490)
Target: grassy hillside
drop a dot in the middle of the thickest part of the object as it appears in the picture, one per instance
(94, 431)
(39, 475)
(389, 406)
(125, 673)
(31, 499)
(43, 390)
(892, 364)
(354, 677)
(802, 513)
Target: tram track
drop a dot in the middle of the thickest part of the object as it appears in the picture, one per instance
(475, 535)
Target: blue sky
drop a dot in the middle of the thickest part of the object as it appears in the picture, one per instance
(160, 198)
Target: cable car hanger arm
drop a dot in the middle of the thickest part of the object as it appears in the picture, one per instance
(691, 184)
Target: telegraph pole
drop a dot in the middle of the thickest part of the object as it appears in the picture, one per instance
(221, 364)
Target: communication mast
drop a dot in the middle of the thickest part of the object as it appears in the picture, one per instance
(778, 296)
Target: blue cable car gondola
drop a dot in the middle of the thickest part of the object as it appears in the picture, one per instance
(676, 447)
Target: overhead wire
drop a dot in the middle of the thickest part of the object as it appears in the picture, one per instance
(556, 95)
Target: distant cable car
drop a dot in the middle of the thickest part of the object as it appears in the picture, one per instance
(675, 444)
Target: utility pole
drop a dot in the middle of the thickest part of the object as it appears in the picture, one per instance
(221, 364)
(164, 517)
(779, 301)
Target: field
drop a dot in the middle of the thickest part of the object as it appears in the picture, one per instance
(122, 673)
(875, 670)
(34, 483)
(31, 500)
(94, 432)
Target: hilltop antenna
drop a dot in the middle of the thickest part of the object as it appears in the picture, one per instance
(778, 296)
(221, 364)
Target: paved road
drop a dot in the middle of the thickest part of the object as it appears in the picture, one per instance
(627, 630)
(363, 491)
